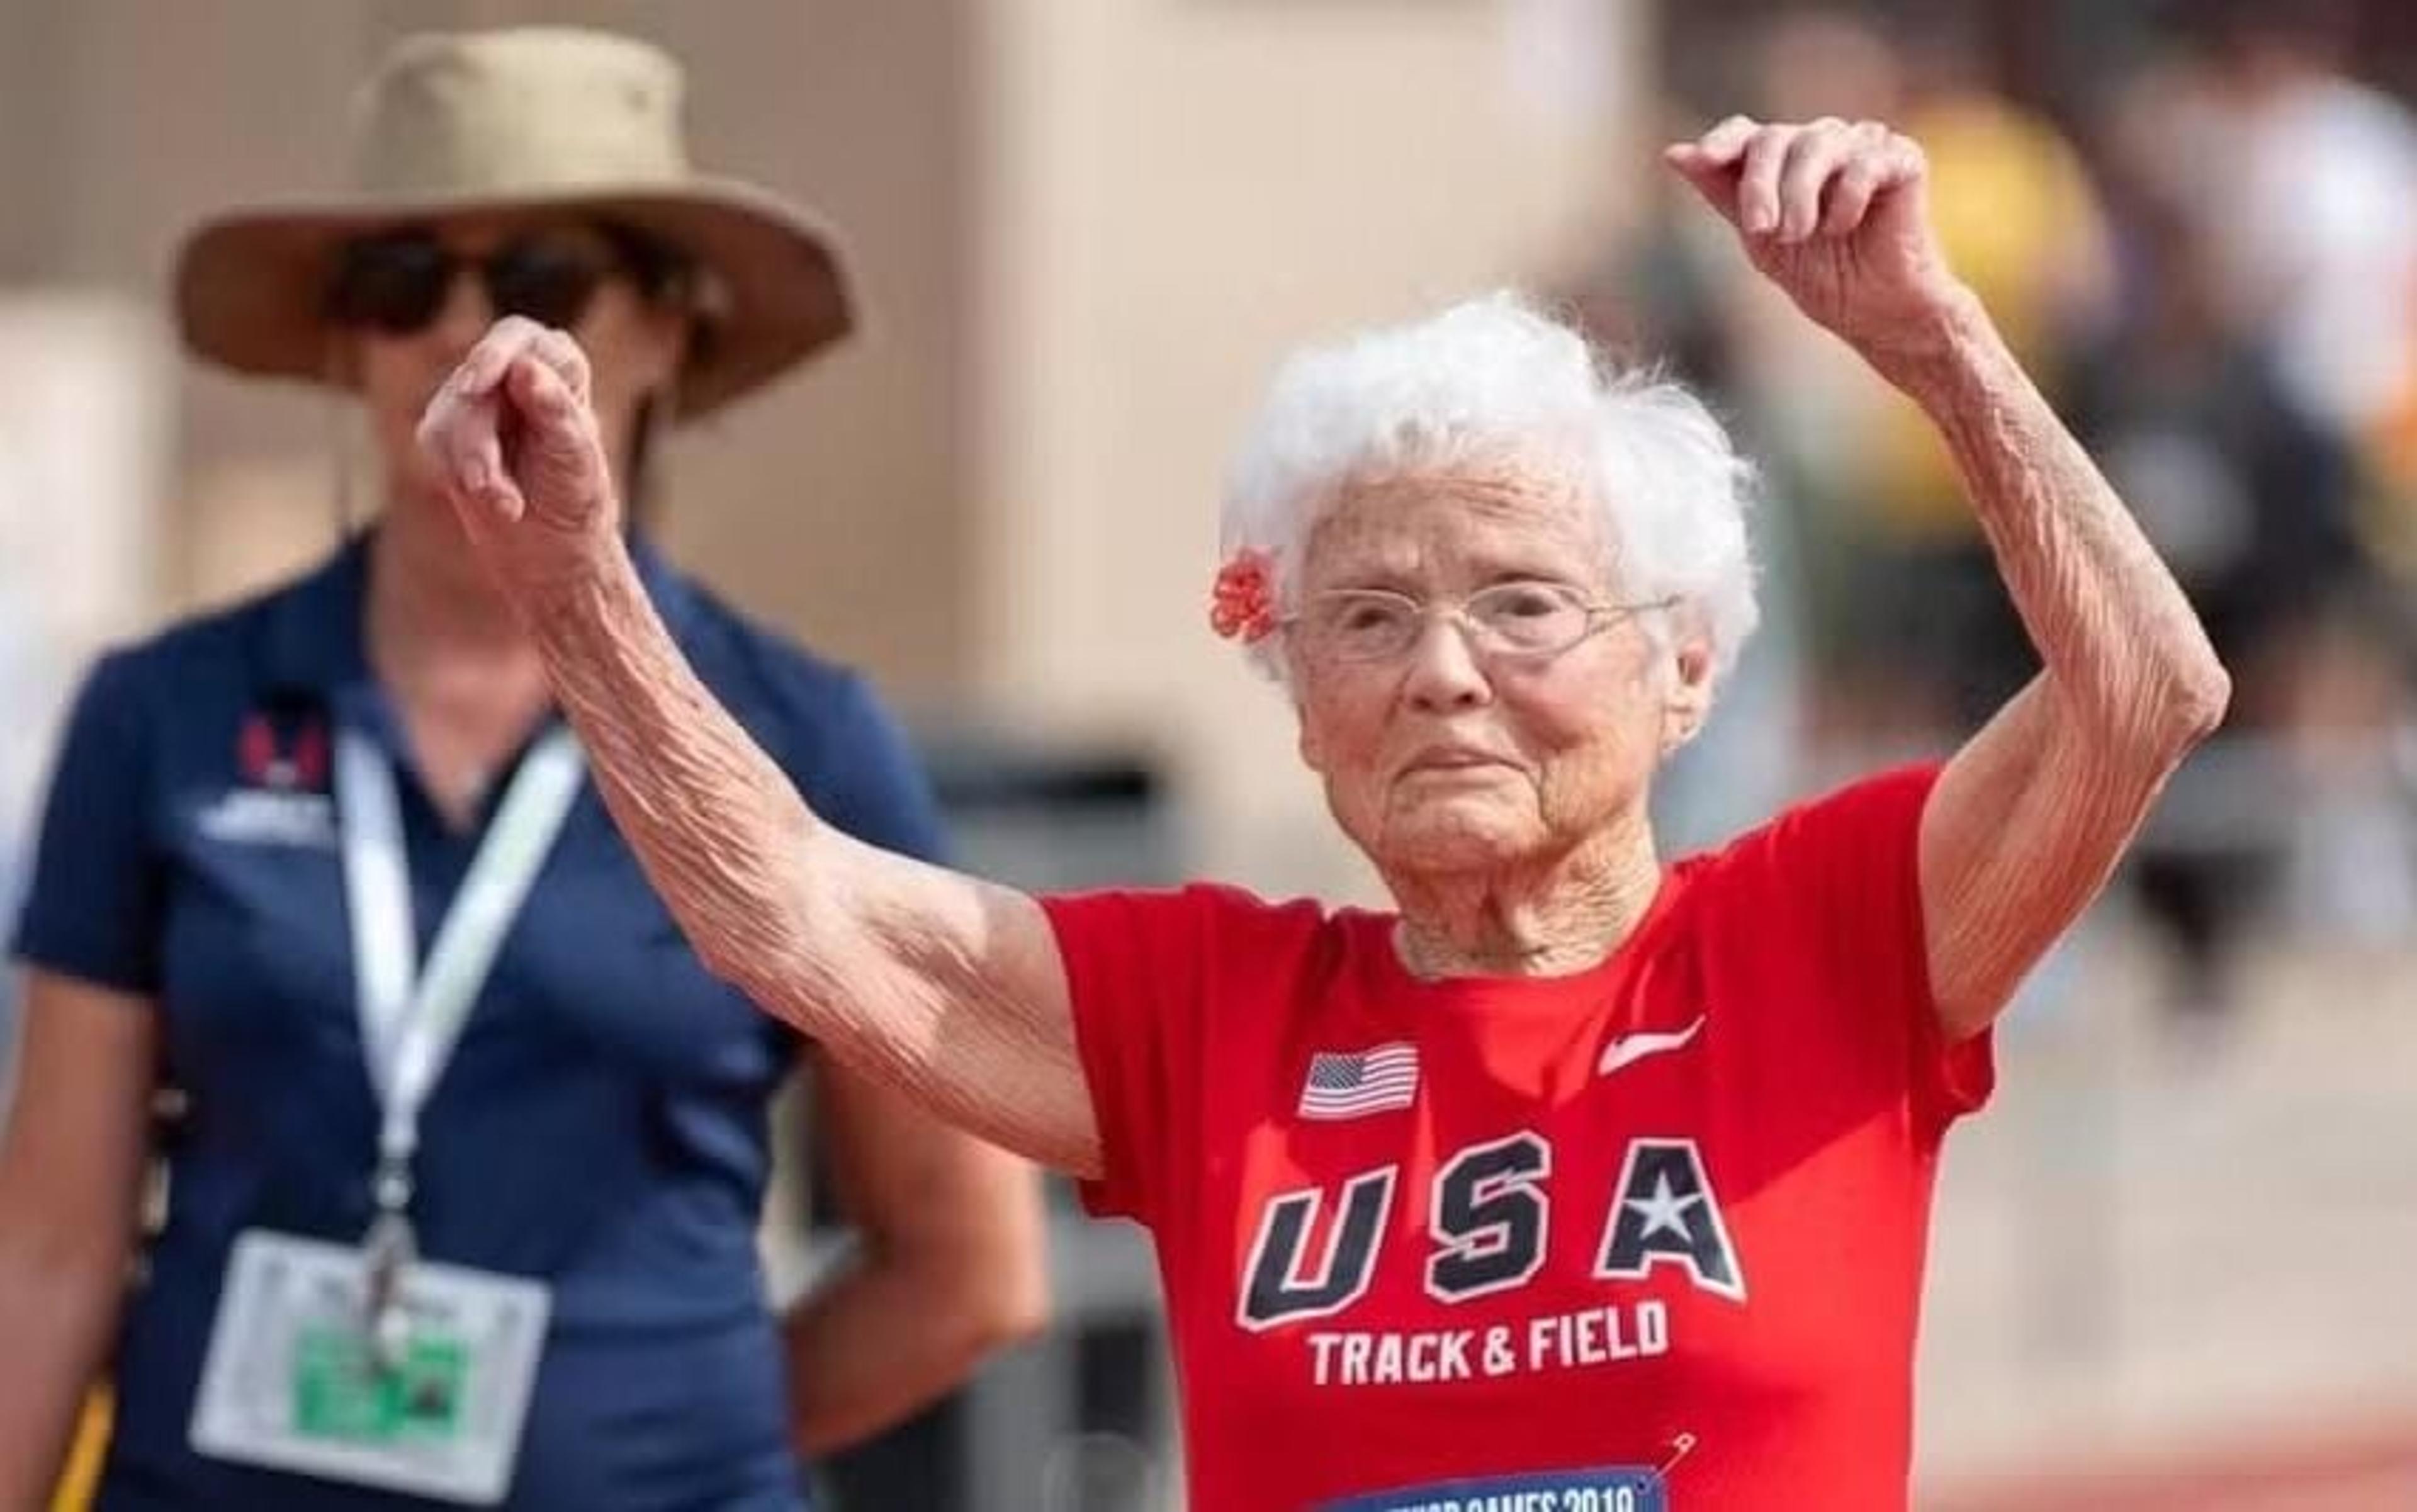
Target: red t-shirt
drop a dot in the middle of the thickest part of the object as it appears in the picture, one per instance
(1649, 1235)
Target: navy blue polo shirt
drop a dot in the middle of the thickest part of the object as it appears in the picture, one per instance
(602, 1124)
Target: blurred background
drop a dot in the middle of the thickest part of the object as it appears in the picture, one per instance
(2176, 1264)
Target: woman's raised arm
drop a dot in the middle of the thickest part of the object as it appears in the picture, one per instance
(946, 987)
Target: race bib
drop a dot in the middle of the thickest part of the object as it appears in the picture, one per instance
(1613, 1488)
(294, 1381)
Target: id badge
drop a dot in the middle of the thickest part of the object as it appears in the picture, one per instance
(1611, 1488)
(294, 1381)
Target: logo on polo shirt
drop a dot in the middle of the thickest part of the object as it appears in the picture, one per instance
(294, 759)
(284, 798)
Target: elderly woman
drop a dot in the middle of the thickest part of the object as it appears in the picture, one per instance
(1585, 1179)
(328, 862)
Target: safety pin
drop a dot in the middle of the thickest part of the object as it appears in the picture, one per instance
(1681, 1447)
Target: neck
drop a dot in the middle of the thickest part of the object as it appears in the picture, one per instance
(464, 677)
(1548, 918)
(431, 602)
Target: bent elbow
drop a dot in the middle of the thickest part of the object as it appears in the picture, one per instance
(1015, 1317)
(1000, 1304)
(2141, 732)
(993, 1329)
(1005, 1301)
(2152, 721)
(2196, 701)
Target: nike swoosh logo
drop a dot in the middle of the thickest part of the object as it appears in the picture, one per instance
(1630, 1048)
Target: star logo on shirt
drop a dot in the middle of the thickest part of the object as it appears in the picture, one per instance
(1662, 1208)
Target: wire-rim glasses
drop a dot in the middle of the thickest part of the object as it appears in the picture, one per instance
(1528, 618)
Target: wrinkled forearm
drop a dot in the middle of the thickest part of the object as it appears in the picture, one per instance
(2036, 810)
(716, 825)
(947, 989)
(2123, 651)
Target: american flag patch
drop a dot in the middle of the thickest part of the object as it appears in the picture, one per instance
(1352, 1083)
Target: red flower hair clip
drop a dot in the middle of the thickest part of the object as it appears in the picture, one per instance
(1244, 603)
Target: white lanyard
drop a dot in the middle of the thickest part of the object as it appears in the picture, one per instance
(409, 1028)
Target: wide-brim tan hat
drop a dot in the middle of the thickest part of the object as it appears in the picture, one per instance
(538, 119)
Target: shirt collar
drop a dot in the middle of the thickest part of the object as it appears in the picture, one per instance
(315, 644)
(314, 641)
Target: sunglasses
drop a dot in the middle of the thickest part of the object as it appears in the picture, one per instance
(397, 283)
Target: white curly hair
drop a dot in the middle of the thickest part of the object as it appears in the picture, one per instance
(1487, 379)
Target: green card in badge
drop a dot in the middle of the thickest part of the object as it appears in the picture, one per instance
(295, 1379)
(341, 1391)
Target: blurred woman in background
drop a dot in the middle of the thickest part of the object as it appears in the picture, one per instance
(464, 1204)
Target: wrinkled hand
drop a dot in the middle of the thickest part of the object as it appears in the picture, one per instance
(1834, 213)
(514, 438)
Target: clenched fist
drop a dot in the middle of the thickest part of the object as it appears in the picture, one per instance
(515, 437)
(1835, 213)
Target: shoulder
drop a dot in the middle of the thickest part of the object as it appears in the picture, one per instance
(807, 708)
(1831, 884)
(1217, 909)
(1856, 822)
(820, 722)
(237, 628)
(219, 655)
(1224, 929)
(1831, 865)
(741, 655)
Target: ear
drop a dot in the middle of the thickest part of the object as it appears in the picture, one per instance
(1305, 734)
(1688, 695)
(1312, 749)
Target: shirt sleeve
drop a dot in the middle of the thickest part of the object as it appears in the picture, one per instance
(92, 906)
(1136, 963)
(1856, 856)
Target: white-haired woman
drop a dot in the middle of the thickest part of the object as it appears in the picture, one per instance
(1586, 1178)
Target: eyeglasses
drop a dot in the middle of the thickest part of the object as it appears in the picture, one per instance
(396, 284)
(1524, 618)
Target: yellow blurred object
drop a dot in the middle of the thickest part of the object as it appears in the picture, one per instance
(2019, 221)
(2388, 519)
(82, 1475)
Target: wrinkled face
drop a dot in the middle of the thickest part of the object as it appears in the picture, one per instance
(561, 270)
(1447, 756)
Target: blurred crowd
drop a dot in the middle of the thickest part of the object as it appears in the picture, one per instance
(2212, 259)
